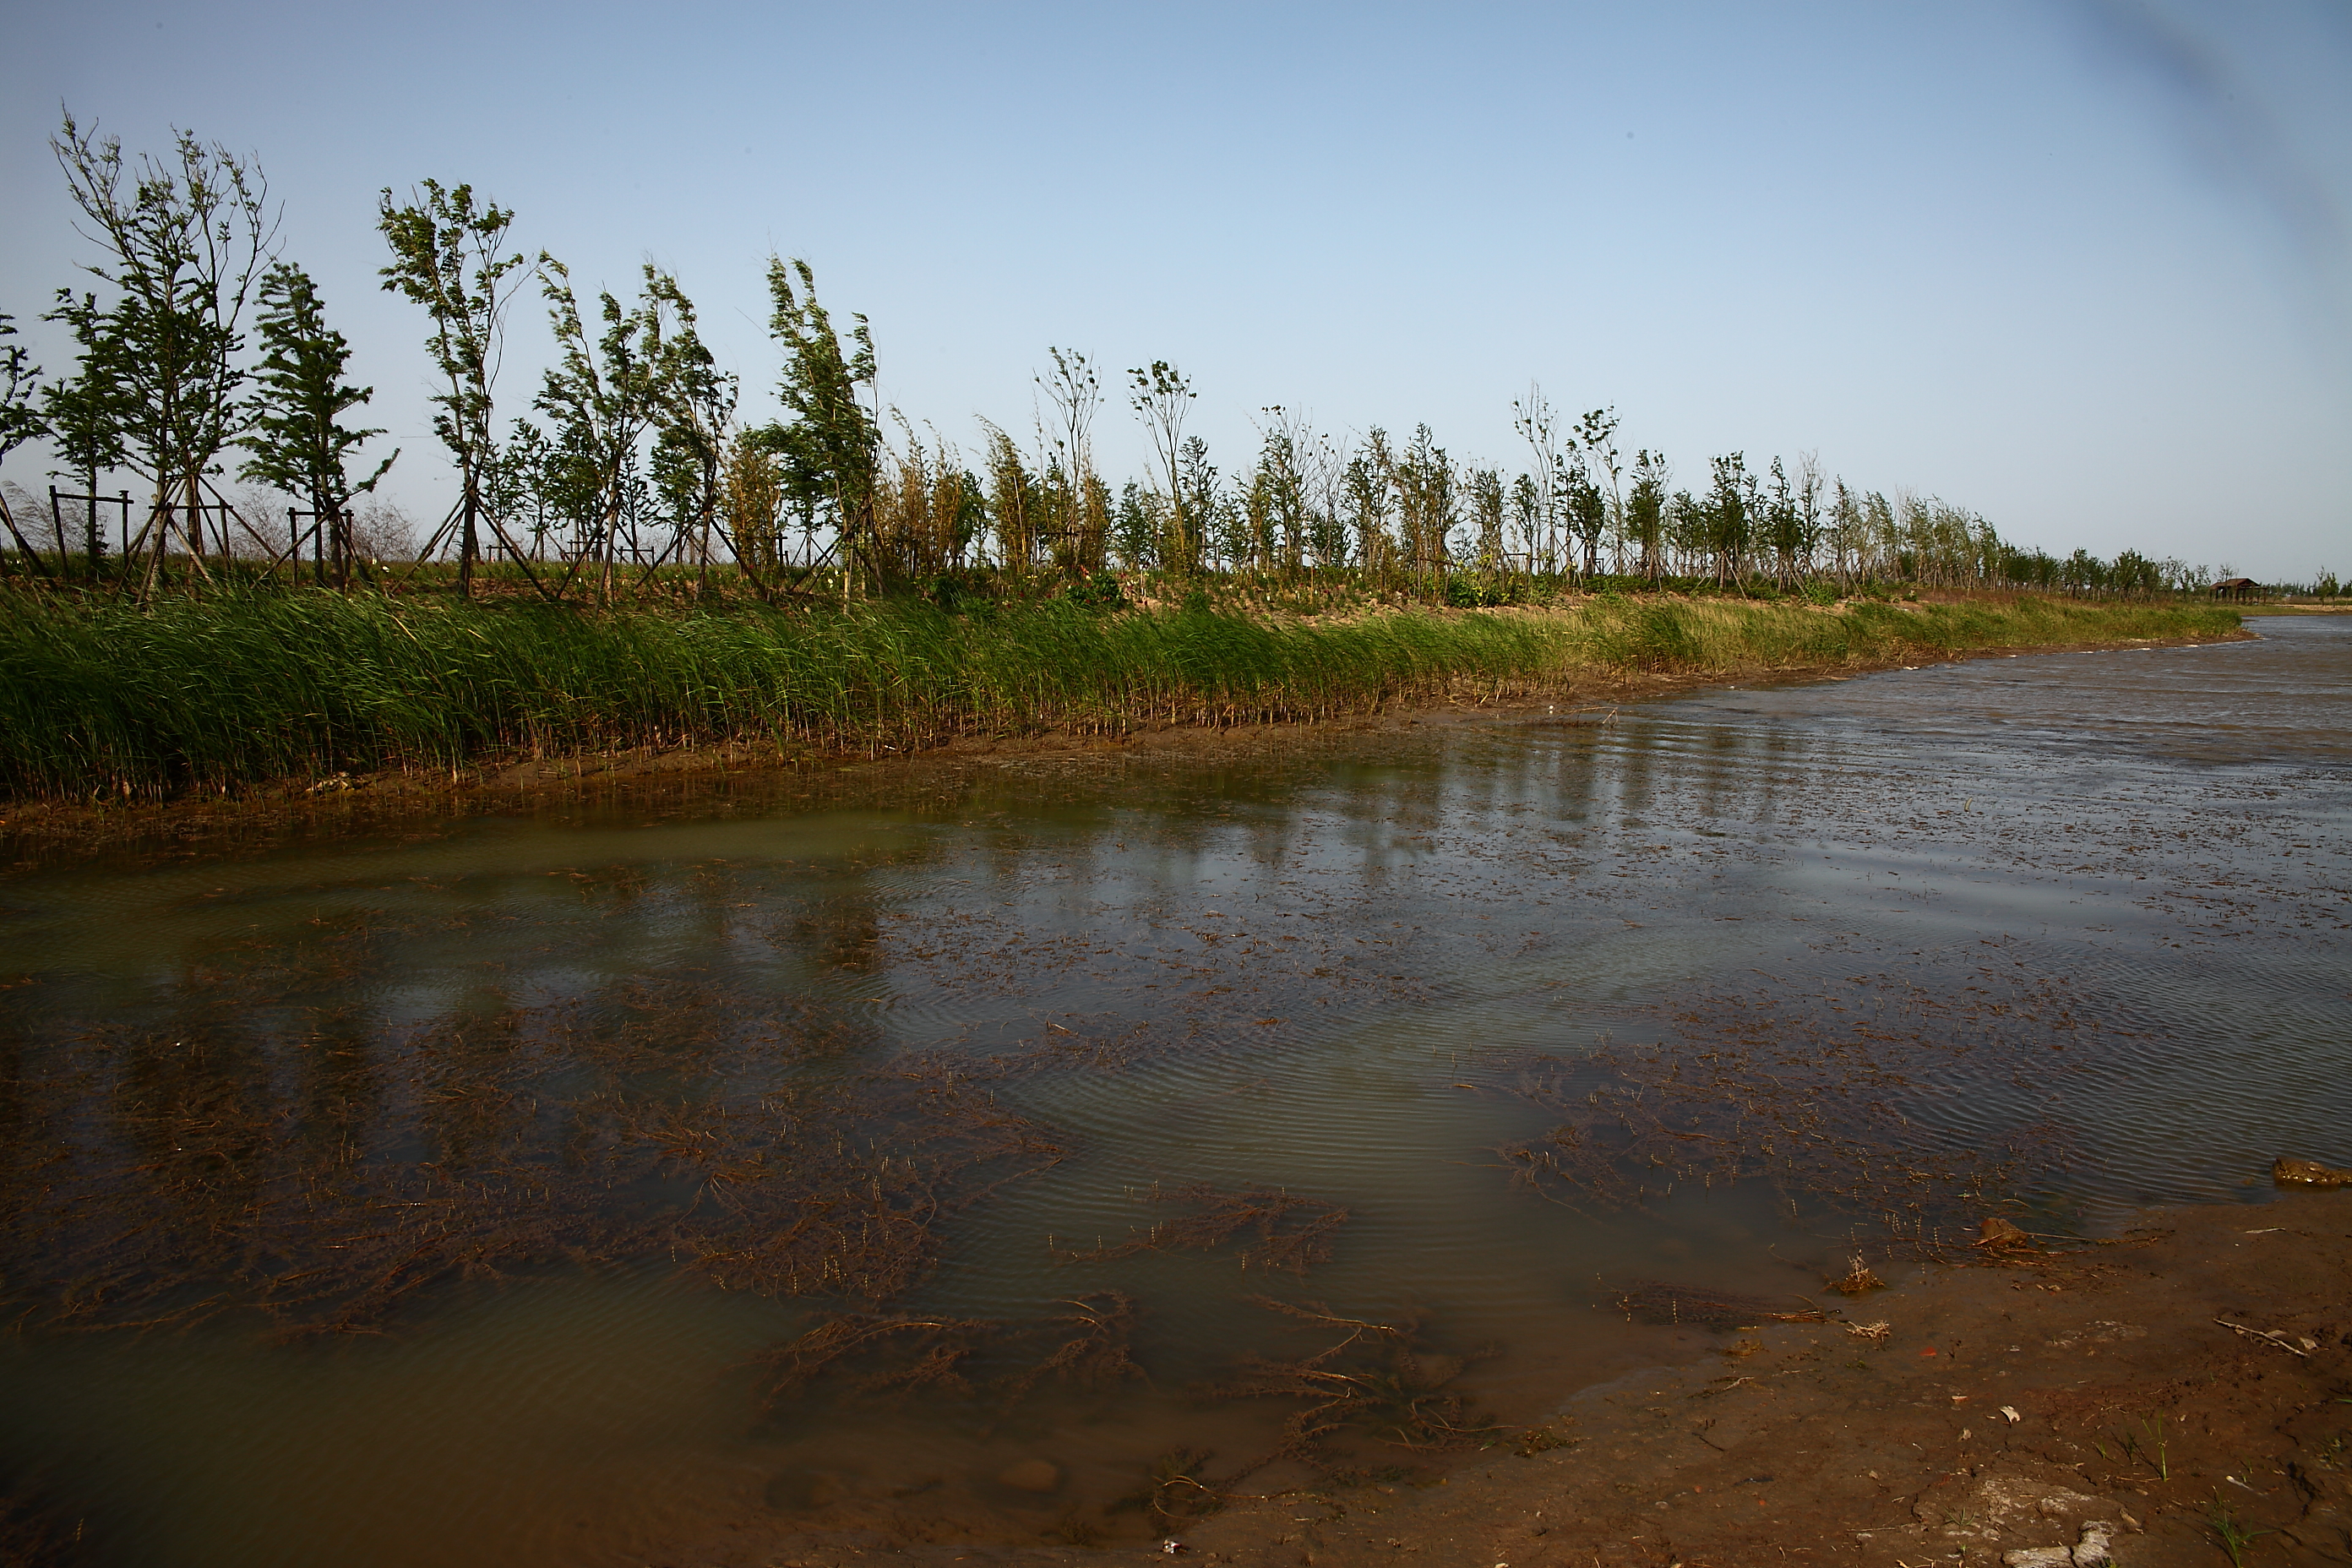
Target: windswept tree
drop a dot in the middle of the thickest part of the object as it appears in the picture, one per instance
(450, 256)
(694, 417)
(829, 447)
(1161, 397)
(751, 510)
(297, 441)
(1015, 503)
(604, 394)
(85, 411)
(19, 421)
(187, 238)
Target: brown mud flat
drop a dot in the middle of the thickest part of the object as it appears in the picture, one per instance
(31, 831)
(2183, 1390)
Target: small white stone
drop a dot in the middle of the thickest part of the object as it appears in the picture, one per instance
(2039, 1557)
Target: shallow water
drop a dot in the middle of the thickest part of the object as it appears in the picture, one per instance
(1862, 958)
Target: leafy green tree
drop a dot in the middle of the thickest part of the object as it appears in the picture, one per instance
(450, 256)
(1161, 396)
(603, 396)
(187, 238)
(1427, 498)
(1784, 529)
(19, 421)
(694, 416)
(1586, 508)
(1645, 510)
(1596, 437)
(1202, 502)
(1483, 490)
(1730, 515)
(296, 440)
(84, 412)
(1369, 503)
(1278, 487)
(829, 448)
(1539, 427)
(1137, 524)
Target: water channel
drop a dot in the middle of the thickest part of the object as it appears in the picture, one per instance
(457, 1189)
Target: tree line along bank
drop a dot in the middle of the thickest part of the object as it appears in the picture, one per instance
(203, 350)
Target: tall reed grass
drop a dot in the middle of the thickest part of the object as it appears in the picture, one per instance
(102, 699)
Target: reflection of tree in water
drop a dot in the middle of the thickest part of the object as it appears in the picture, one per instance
(1834, 1095)
(257, 1141)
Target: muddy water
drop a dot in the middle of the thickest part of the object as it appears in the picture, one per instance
(467, 1177)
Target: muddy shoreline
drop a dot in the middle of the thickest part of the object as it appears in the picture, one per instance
(1999, 1404)
(36, 831)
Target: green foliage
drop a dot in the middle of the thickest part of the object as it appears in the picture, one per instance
(829, 447)
(295, 441)
(112, 698)
(450, 256)
(186, 238)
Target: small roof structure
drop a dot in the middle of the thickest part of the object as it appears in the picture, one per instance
(2237, 588)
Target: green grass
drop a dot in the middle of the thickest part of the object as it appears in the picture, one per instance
(113, 699)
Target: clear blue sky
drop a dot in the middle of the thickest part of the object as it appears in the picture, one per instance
(2084, 266)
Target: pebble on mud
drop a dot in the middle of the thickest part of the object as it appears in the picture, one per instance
(2288, 1173)
(1031, 1475)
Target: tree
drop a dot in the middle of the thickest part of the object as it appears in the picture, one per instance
(1730, 515)
(1365, 485)
(1077, 503)
(1596, 436)
(1161, 396)
(1784, 529)
(1539, 427)
(1645, 508)
(187, 239)
(1201, 501)
(1424, 477)
(1279, 485)
(84, 412)
(1587, 506)
(1482, 488)
(694, 411)
(447, 257)
(829, 449)
(19, 421)
(294, 440)
(603, 396)
(751, 509)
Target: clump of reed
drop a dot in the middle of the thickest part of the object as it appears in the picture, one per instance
(102, 699)
(229, 689)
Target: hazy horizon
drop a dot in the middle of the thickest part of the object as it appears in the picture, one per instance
(2082, 268)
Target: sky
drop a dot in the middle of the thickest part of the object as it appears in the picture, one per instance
(2082, 266)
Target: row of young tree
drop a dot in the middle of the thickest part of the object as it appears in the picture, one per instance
(632, 464)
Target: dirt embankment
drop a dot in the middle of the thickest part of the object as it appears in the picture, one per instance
(30, 830)
(2182, 1394)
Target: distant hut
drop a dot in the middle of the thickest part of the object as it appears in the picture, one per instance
(2236, 588)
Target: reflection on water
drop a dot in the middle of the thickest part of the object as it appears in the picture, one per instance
(916, 1146)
